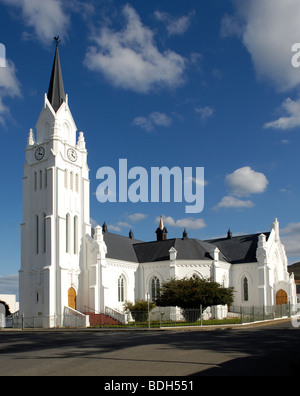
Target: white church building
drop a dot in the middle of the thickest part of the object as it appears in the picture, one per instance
(65, 263)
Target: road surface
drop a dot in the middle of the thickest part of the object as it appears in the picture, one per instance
(264, 350)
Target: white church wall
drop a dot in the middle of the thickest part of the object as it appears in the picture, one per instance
(115, 270)
(160, 270)
(238, 274)
(201, 268)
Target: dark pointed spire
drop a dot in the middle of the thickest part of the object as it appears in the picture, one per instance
(185, 234)
(104, 227)
(56, 92)
(229, 234)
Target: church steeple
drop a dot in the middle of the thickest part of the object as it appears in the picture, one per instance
(161, 231)
(56, 92)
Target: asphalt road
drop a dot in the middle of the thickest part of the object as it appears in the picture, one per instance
(264, 350)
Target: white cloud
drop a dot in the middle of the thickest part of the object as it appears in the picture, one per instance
(188, 223)
(9, 284)
(231, 25)
(137, 217)
(242, 183)
(268, 30)
(130, 59)
(46, 18)
(175, 26)
(154, 119)
(291, 239)
(205, 112)
(245, 181)
(199, 182)
(9, 87)
(233, 202)
(118, 226)
(292, 120)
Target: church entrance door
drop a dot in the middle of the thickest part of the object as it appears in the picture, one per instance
(72, 298)
(281, 297)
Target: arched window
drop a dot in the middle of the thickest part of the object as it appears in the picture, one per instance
(45, 234)
(155, 285)
(71, 181)
(68, 233)
(77, 183)
(46, 178)
(66, 178)
(245, 289)
(35, 181)
(75, 235)
(121, 289)
(37, 233)
(41, 179)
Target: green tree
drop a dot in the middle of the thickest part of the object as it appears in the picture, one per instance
(139, 310)
(190, 293)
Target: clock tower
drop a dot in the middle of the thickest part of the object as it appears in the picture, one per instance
(56, 214)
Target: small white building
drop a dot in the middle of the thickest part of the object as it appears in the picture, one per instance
(11, 301)
(67, 264)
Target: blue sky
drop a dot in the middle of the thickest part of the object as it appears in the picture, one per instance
(160, 83)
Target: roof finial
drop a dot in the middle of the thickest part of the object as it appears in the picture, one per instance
(57, 40)
(161, 231)
(161, 223)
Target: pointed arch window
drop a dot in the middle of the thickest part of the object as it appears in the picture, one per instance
(66, 178)
(35, 181)
(41, 179)
(155, 285)
(46, 178)
(45, 234)
(245, 289)
(37, 233)
(77, 183)
(68, 233)
(71, 181)
(121, 289)
(75, 235)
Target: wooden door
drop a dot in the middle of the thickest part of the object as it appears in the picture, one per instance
(72, 298)
(281, 297)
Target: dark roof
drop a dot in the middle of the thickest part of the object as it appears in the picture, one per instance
(295, 268)
(234, 250)
(124, 248)
(120, 247)
(153, 251)
(239, 249)
(188, 249)
(56, 92)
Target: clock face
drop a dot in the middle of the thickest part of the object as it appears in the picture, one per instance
(72, 155)
(39, 153)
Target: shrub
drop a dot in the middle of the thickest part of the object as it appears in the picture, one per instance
(139, 310)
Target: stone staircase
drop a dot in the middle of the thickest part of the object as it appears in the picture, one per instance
(100, 319)
(110, 316)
